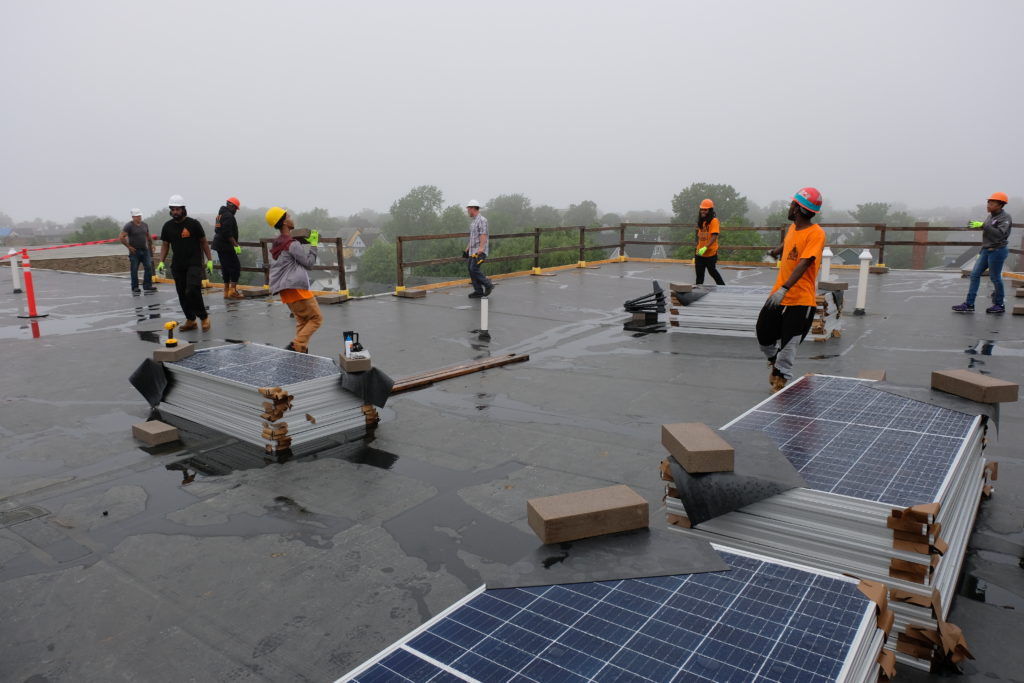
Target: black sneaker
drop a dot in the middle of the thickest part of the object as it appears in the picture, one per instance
(488, 290)
(151, 290)
(476, 295)
(963, 308)
(996, 308)
(136, 291)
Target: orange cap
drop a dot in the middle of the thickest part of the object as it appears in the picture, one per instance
(707, 204)
(234, 200)
(1000, 197)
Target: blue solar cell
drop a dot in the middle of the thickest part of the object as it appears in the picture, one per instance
(758, 621)
(846, 437)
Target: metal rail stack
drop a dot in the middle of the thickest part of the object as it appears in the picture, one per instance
(732, 310)
(893, 487)
(266, 396)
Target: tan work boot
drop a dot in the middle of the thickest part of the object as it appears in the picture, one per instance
(206, 325)
(235, 294)
(776, 380)
(189, 325)
(227, 290)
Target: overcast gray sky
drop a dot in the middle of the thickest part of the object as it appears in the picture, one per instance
(344, 105)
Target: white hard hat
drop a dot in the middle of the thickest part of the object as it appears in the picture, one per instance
(176, 200)
(136, 212)
(473, 202)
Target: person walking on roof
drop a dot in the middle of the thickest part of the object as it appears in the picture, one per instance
(706, 256)
(290, 262)
(787, 315)
(225, 243)
(135, 235)
(476, 251)
(995, 247)
(188, 239)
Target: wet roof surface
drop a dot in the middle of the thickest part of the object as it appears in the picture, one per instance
(201, 561)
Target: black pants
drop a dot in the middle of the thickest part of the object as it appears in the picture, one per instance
(189, 284)
(230, 266)
(780, 330)
(708, 262)
(480, 281)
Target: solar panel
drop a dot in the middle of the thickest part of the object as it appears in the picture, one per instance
(844, 436)
(761, 620)
(257, 365)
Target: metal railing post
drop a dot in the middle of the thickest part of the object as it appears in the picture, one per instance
(400, 275)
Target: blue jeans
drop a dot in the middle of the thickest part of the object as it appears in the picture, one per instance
(146, 259)
(479, 281)
(993, 260)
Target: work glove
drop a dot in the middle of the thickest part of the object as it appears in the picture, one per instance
(465, 253)
(314, 238)
(975, 224)
(160, 267)
(700, 252)
(776, 298)
(209, 267)
(238, 249)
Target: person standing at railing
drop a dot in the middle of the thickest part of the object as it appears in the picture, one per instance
(787, 315)
(135, 235)
(188, 239)
(290, 262)
(225, 243)
(476, 251)
(995, 247)
(708, 231)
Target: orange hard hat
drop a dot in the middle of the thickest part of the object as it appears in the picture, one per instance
(234, 200)
(1000, 197)
(707, 204)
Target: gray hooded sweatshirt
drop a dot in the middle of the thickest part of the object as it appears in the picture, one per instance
(290, 261)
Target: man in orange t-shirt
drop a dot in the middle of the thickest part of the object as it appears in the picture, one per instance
(706, 255)
(787, 315)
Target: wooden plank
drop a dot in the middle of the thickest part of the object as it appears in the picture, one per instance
(425, 378)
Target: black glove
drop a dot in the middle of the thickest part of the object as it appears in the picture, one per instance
(465, 253)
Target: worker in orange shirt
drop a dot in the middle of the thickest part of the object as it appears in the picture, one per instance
(706, 255)
(787, 315)
(289, 276)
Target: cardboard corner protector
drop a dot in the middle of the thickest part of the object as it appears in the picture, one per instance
(887, 662)
(992, 470)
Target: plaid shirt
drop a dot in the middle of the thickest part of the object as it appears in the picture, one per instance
(477, 228)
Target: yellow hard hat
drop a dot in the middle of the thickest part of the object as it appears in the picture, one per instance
(274, 215)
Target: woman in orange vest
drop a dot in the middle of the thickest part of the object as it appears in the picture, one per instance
(706, 255)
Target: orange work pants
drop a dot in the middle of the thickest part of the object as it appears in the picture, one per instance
(307, 321)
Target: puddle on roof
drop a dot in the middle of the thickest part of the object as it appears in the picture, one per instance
(981, 590)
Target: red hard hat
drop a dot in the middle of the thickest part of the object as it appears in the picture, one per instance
(234, 200)
(707, 204)
(809, 198)
(1000, 197)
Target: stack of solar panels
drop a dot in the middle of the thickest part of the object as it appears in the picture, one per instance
(732, 310)
(266, 396)
(893, 486)
(761, 620)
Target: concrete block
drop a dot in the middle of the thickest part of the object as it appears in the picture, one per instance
(878, 375)
(831, 286)
(329, 299)
(681, 287)
(697, 447)
(154, 432)
(182, 350)
(1019, 292)
(1018, 309)
(412, 293)
(572, 516)
(354, 364)
(1015, 283)
(878, 270)
(975, 386)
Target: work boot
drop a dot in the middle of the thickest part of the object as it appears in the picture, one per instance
(227, 291)
(476, 295)
(488, 289)
(996, 308)
(777, 380)
(189, 325)
(235, 294)
(206, 324)
(963, 308)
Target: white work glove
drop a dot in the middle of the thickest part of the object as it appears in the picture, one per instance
(776, 298)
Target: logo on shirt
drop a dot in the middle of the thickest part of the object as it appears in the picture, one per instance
(185, 233)
(793, 255)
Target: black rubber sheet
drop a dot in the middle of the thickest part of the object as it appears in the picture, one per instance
(373, 386)
(626, 555)
(760, 471)
(151, 380)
